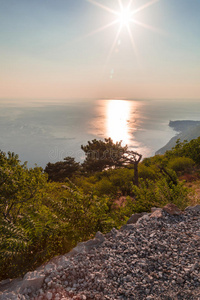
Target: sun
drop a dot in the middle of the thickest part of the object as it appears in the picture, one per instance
(125, 17)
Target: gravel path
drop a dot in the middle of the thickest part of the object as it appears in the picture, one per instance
(158, 257)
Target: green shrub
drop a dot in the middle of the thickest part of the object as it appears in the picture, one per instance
(51, 225)
(86, 184)
(145, 196)
(181, 164)
(159, 193)
(115, 181)
(104, 187)
(186, 149)
(147, 172)
(122, 180)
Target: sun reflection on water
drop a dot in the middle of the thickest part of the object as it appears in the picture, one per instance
(118, 118)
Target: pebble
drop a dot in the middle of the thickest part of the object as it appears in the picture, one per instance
(49, 295)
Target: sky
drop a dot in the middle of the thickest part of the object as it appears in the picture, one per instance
(55, 49)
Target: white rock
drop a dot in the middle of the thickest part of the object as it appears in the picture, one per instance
(47, 280)
(49, 268)
(49, 295)
(33, 280)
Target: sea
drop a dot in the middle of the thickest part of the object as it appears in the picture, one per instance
(42, 131)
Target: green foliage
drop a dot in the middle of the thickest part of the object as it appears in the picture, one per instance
(181, 164)
(87, 184)
(154, 161)
(114, 182)
(105, 187)
(102, 154)
(168, 192)
(21, 246)
(62, 169)
(145, 197)
(18, 186)
(39, 220)
(148, 172)
(20, 194)
(165, 190)
(185, 149)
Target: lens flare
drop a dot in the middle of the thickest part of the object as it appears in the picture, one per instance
(125, 17)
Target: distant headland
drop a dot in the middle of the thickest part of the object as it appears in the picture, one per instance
(186, 130)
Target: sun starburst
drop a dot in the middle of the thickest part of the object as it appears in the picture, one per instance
(125, 17)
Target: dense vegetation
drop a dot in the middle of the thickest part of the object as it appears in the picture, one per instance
(43, 214)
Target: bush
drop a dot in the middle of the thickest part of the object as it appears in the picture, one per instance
(20, 199)
(115, 181)
(181, 164)
(147, 172)
(186, 149)
(159, 193)
(104, 187)
(50, 225)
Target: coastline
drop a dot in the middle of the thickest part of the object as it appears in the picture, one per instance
(186, 130)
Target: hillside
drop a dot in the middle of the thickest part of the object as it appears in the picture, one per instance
(154, 256)
(42, 218)
(188, 130)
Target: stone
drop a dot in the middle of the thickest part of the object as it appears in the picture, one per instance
(100, 236)
(49, 268)
(6, 281)
(158, 213)
(49, 295)
(80, 248)
(145, 217)
(128, 227)
(92, 244)
(172, 209)
(195, 209)
(33, 280)
(135, 217)
(114, 232)
(9, 296)
(155, 208)
(84, 247)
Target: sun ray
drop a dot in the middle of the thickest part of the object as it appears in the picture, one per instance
(147, 26)
(101, 29)
(113, 45)
(129, 4)
(120, 4)
(144, 6)
(133, 43)
(103, 6)
(125, 16)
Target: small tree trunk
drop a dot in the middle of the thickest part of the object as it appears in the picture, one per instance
(136, 182)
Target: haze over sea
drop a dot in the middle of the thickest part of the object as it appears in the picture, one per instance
(47, 131)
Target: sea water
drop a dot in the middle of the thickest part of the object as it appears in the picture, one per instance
(47, 131)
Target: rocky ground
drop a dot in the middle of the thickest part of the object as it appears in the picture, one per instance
(154, 256)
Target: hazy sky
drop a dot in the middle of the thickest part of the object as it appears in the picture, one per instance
(47, 49)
